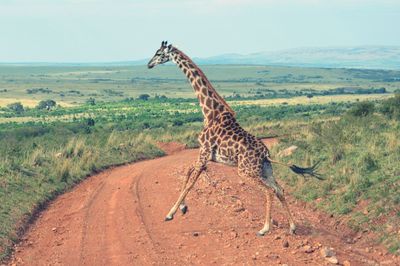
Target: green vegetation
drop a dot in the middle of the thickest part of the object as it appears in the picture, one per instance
(41, 159)
(76, 84)
(117, 114)
(16, 107)
(360, 154)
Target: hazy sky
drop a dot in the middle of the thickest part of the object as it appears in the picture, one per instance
(117, 30)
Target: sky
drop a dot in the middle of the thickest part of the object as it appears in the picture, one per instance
(124, 30)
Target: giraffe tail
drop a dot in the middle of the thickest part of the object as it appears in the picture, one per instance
(304, 171)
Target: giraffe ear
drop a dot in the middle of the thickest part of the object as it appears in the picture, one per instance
(170, 46)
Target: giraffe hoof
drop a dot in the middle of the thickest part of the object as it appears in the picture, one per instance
(169, 218)
(292, 230)
(261, 233)
(184, 209)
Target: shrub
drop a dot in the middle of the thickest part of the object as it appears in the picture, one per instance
(391, 107)
(91, 101)
(16, 107)
(362, 109)
(144, 97)
(90, 122)
(46, 104)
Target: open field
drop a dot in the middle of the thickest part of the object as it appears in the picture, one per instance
(76, 84)
(137, 108)
(303, 100)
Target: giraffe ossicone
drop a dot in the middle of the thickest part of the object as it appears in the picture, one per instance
(223, 140)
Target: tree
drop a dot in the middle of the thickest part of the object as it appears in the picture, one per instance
(144, 97)
(46, 104)
(16, 107)
(91, 101)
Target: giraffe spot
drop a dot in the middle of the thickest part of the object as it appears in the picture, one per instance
(215, 104)
(209, 102)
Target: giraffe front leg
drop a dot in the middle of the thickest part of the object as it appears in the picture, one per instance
(183, 207)
(182, 196)
(268, 205)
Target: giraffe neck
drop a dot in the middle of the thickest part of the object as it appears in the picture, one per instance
(210, 101)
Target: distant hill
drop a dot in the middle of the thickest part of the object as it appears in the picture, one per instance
(370, 57)
(380, 57)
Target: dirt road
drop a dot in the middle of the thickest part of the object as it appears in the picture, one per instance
(117, 218)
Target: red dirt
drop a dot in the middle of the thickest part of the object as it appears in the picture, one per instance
(117, 218)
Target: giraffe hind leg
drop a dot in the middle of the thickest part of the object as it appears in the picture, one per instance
(268, 205)
(269, 180)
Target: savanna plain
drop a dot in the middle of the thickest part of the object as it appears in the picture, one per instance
(61, 123)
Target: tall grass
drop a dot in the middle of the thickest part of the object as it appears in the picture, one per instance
(360, 156)
(36, 165)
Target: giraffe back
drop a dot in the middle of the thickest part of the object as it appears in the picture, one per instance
(230, 144)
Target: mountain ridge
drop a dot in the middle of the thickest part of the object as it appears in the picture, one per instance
(368, 57)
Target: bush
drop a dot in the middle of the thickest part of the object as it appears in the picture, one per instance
(144, 97)
(46, 104)
(91, 101)
(391, 107)
(362, 109)
(16, 107)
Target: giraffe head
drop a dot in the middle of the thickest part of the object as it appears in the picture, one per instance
(163, 55)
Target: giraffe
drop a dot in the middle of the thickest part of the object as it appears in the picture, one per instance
(223, 140)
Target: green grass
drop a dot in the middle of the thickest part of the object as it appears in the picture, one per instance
(39, 162)
(360, 156)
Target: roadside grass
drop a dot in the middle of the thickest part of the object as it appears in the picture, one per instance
(35, 169)
(360, 158)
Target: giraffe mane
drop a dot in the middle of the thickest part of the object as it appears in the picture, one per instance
(219, 97)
